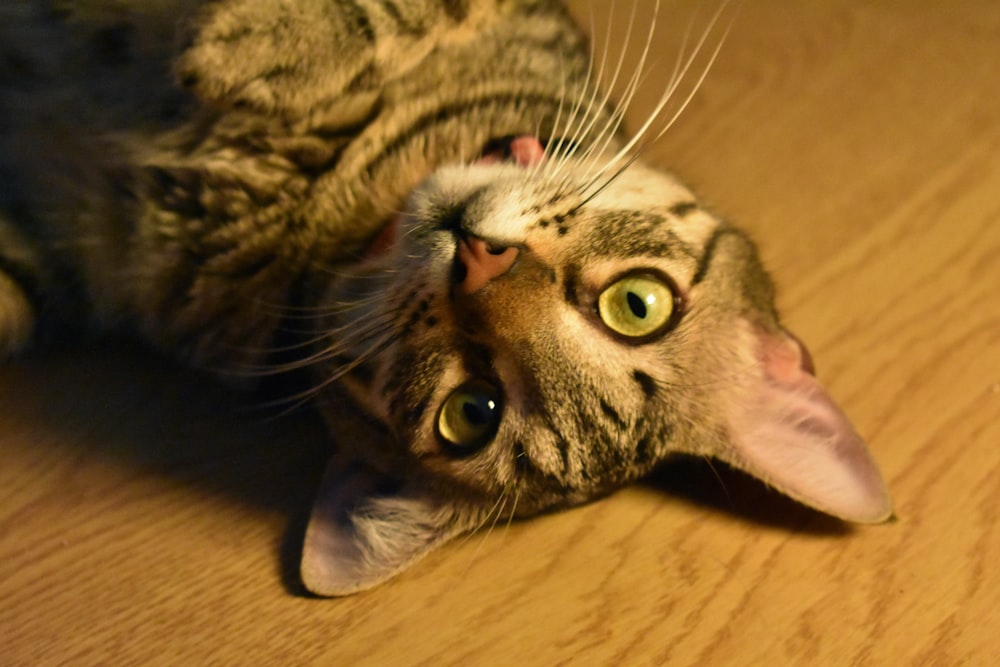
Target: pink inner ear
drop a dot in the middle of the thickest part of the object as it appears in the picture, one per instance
(788, 431)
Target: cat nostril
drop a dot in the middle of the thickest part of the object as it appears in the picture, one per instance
(478, 262)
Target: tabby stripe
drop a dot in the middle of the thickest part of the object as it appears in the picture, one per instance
(359, 18)
(646, 383)
(458, 10)
(415, 415)
(709, 254)
(569, 284)
(645, 451)
(561, 444)
(612, 414)
(522, 462)
(393, 11)
(682, 209)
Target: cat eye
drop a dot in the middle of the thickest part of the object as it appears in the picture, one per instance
(638, 305)
(469, 417)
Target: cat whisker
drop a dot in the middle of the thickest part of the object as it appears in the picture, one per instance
(513, 509)
(577, 126)
(621, 170)
(687, 99)
(319, 312)
(496, 511)
(678, 75)
(304, 397)
(617, 117)
(607, 132)
(654, 115)
(551, 150)
(343, 338)
(485, 517)
(715, 472)
(558, 147)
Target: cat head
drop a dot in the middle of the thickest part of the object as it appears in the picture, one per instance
(534, 332)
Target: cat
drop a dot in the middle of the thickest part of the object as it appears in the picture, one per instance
(429, 205)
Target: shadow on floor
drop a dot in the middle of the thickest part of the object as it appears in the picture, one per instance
(120, 402)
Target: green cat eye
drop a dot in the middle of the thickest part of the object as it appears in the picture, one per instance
(637, 305)
(469, 417)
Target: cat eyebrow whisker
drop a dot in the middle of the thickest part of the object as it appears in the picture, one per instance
(617, 117)
(694, 90)
(553, 144)
(575, 133)
(673, 85)
(614, 121)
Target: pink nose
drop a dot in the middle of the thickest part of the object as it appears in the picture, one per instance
(480, 263)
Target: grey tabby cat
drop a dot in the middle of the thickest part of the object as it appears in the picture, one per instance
(508, 312)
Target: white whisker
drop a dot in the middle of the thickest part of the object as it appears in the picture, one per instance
(618, 116)
(654, 115)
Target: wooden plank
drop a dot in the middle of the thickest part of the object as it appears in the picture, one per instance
(147, 516)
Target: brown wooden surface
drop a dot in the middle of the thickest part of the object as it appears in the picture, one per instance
(149, 517)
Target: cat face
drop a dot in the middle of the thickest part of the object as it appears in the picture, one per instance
(539, 333)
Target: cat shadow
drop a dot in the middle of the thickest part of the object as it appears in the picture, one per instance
(119, 402)
(707, 483)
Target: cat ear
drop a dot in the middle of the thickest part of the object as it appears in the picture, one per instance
(365, 528)
(786, 430)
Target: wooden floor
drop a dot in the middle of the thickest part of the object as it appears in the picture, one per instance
(147, 517)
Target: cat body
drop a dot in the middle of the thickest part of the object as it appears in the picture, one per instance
(503, 310)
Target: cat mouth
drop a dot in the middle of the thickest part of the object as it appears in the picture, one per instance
(523, 150)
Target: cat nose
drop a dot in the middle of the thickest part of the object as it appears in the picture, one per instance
(478, 262)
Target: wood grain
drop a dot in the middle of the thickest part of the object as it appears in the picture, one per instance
(148, 517)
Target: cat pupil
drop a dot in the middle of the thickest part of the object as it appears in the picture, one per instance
(475, 414)
(637, 305)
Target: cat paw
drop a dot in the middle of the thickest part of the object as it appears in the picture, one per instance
(17, 318)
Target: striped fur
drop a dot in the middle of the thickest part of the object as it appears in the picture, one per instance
(221, 176)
